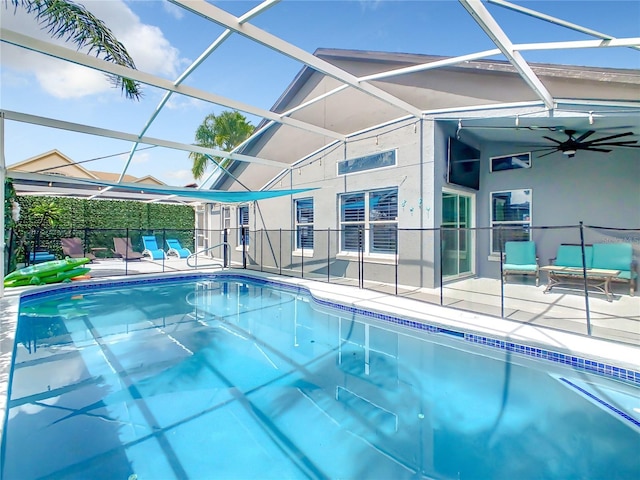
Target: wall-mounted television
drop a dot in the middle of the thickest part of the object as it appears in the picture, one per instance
(463, 164)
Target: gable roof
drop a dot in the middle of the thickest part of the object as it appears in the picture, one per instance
(436, 85)
(52, 162)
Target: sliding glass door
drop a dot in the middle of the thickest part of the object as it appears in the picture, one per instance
(458, 243)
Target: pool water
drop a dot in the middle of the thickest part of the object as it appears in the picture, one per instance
(235, 380)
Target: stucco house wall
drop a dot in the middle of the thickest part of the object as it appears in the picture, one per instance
(593, 187)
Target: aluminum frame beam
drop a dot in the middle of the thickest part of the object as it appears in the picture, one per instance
(73, 56)
(273, 42)
(190, 69)
(483, 18)
(556, 21)
(103, 132)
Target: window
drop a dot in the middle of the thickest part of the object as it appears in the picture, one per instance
(511, 162)
(304, 224)
(510, 218)
(243, 221)
(226, 218)
(369, 162)
(369, 219)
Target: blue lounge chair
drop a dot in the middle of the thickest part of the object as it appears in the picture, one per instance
(176, 249)
(151, 248)
(520, 259)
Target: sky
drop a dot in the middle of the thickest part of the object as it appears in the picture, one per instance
(164, 40)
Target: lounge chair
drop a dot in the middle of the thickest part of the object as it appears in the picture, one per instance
(41, 256)
(123, 249)
(151, 248)
(72, 247)
(176, 249)
(520, 259)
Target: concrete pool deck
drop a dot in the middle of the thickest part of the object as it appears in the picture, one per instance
(606, 351)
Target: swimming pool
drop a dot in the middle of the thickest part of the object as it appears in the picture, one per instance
(235, 378)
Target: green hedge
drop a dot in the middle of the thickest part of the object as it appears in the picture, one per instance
(80, 214)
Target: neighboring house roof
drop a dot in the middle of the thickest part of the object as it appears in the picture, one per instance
(114, 177)
(55, 162)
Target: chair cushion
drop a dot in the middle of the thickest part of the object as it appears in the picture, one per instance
(522, 268)
(156, 254)
(612, 256)
(520, 253)
(571, 256)
(150, 242)
(627, 275)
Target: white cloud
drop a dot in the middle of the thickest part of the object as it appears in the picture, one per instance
(173, 10)
(146, 44)
(182, 175)
(141, 157)
(182, 102)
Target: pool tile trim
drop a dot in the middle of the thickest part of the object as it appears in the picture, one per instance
(605, 404)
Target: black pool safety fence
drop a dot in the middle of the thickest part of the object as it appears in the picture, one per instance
(578, 278)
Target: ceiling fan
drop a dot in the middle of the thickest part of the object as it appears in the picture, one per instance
(572, 144)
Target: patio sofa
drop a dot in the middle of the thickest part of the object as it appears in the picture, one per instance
(599, 256)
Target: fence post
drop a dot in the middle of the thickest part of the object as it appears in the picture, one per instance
(126, 253)
(244, 250)
(164, 240)
(441, 231)
(500, 244)
(225, 247)
(280, 254)
(261, 243)
(303, 238)
(360, 259)
(328, 254)
(396, 257)
(584, 277)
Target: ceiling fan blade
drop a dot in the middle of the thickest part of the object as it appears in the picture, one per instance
(552, 139)
(552, 128)
(593, 149)
(543, 149)
(552, 151)
(610, 137)
(585, 135)
(627, 143)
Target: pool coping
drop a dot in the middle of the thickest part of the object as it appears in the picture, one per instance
(603, 357)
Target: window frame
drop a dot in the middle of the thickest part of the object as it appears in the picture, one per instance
(240, 224)
(363, 158)
(225, 217)
(512, 155)
(525, 222)
(368, 225)
(300, 225)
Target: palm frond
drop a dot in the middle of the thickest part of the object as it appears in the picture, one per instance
(73, 22)
(222, 132)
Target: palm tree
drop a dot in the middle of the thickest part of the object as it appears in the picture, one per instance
(44, 212)
(73, 22)
(224, 132)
